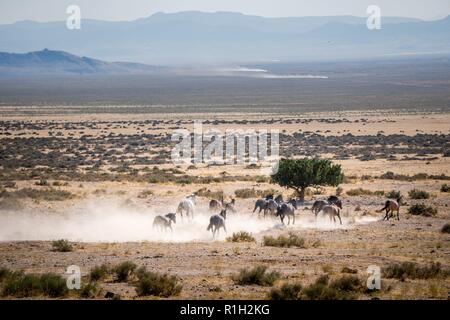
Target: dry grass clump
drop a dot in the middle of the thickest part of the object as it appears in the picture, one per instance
(155, 284)
(291, 240)
(422, 210)
(62, 245)
(241, 236)
(253, 193)
(412, 270)
(418, 194)
(343, 288)
(257, 275)
(21, 285)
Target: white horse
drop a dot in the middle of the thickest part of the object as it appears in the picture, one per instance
(187, 205)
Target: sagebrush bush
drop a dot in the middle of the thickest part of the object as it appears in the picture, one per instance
(28, 285)
(418, 194)
(445, 188)
(53, 285)
(412, 270)
(62, 245)
(206, 193)
(124, 270)
(348, 270)
(47, 194)
(422, 210)
(292, 240)
(257, 275)
(88, 290)
(344, 288)
(241, 236)
(359, 192)
(4, 273)
(99, 272)
(253, 193)
(288, 291)
(155, 284)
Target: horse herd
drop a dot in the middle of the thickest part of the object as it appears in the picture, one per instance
(277, 207)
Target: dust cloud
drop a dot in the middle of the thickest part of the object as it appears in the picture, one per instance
(112, 220)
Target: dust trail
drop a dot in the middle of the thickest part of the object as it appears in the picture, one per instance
(110, 220)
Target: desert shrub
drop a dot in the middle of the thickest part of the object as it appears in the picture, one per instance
(414, 271)
(206, 193)
(155, 284)
(62, 245)
(124, 270)
(291, 240)
(346, 283)
(28, 285)
(445, 228)
(344, 288)
(99, 272)
(288, 291)
(359, 192)
(48, 194)
(348, 270)
(257, 275)
(4, 273)
(418, 176)
(53, 285)
(88, 290)
(241, 236)
(445, 188)
(22, 286)
(379, 193)
(339, 191)
(418, 194)
(253, 193)
(422, 210)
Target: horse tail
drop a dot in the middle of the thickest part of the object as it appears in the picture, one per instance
(386, 205)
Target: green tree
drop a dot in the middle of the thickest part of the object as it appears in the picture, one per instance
(299, 174)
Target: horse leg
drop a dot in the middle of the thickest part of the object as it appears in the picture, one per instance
(398, 214)
(293, 218)
(386, 217)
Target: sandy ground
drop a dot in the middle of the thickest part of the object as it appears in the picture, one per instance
(109, 222)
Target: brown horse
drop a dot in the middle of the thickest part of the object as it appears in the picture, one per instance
(332, 211)
(392, 206)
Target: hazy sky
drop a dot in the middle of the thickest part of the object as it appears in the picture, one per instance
(50, 10)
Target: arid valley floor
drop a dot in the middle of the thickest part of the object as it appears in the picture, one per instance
(99, 179)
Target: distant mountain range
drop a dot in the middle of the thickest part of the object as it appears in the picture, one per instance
(225, 37)
(60, 62)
